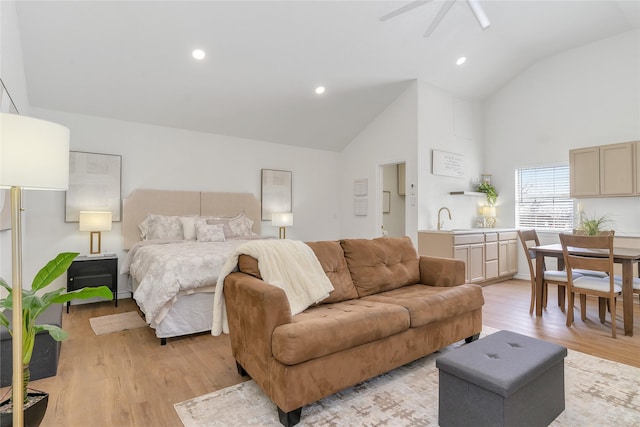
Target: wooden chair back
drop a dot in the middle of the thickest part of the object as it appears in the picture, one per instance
(572, 244)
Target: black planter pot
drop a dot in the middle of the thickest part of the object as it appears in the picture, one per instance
(33, 415)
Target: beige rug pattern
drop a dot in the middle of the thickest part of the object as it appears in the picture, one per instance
(597, 393)
(116, 322)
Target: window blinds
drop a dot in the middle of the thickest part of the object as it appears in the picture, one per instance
(542, 198)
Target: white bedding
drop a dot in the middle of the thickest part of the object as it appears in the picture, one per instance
(288, 264)
(166, 269)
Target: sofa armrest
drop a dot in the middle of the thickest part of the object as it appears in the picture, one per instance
(436, 271)
(254, 309)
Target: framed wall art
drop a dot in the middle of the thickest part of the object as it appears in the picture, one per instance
(5, 209)
(94, 184)
(386, 201)
(276, 192)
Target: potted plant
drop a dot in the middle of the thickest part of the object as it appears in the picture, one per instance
(490, 192)
(33, 305)
(591, 226)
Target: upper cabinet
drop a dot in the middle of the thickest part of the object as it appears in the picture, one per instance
(584, 170)
(638, 167)
(605, 171)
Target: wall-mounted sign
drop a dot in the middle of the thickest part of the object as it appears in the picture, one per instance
(447, 164)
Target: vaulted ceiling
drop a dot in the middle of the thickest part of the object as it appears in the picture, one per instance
(132, 60)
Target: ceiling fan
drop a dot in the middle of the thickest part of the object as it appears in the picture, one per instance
(473, 4)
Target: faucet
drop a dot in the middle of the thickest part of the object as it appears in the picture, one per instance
(439, 212)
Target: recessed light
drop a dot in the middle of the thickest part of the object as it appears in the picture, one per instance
(320, 90)
(461, 60)
(198, 54)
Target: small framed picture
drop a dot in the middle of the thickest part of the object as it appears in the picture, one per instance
(386, 201)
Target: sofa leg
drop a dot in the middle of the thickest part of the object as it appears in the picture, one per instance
(472, 338)
(241, 370)
(288, 419)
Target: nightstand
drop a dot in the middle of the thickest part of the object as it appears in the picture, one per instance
(91, 272)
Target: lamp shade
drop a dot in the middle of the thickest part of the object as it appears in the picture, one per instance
(489, 211)
(282, 219)
(34, 154)
(95, 221)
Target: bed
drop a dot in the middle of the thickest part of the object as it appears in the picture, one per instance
(187, 237)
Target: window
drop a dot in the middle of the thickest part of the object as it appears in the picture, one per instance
(542, 198)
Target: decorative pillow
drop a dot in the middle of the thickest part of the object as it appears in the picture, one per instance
(239, 225)
(144, 227)
(210, 232)
(164, 227)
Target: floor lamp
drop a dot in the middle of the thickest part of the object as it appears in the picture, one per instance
(34, 155)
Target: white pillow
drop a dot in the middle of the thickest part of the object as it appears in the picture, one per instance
(189, 226)
(210, 232)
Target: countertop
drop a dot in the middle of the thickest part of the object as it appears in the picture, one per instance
(469, 230)
(622, 234)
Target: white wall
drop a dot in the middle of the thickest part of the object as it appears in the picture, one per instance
(11, 66)
(389, 138)
(12, 73)
(582, 97)
(452, 125)
(167, 158)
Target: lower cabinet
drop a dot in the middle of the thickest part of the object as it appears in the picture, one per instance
(489, 256)
(491, 270)
(473, 256)
(507, 253)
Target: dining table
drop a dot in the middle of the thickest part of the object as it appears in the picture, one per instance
(627, 257)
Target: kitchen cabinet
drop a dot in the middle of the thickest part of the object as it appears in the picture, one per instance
(638, 167)
(584, 167)
(478, 248)
(605, 171)
(473, 256)
(491, 269)
(508, 253)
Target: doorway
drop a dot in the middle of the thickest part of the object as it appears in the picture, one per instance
(393, 199)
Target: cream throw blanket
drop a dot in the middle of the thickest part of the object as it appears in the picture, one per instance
(288, 264)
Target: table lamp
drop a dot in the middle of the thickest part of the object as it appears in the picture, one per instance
(489, 212)
(96, 223)
(282, 220)
(34, 155)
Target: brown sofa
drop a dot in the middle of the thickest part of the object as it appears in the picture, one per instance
(389, 307)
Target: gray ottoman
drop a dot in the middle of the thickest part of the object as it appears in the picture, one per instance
(505, 379)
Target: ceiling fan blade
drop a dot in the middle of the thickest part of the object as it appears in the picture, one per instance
(404, 9)
(478, 11)
(436, 21)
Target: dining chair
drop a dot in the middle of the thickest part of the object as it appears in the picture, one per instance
(604, 288)
(636, 284)
(529, 238)
(590, 272)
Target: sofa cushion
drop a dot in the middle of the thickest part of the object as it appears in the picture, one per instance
(331, 257)
(330, 328)
(381, 264)
(428, 304)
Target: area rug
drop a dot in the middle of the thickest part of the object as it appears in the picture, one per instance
(597, 393)
(116, 322)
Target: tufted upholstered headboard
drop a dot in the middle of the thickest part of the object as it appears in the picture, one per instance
(137, 205)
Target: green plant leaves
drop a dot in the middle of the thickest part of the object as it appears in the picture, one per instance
(52, 270)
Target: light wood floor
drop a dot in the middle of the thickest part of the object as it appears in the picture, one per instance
(128, 379)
